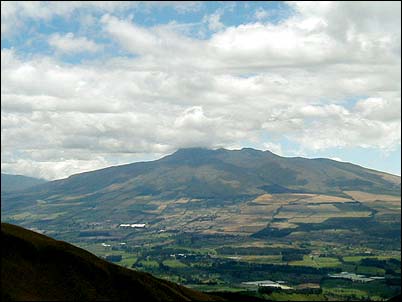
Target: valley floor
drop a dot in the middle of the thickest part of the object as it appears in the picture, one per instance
(301, 241)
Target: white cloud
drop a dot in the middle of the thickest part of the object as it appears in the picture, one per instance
(261, 14)
(380, 109)
(14, 14)
(337, 159)
(180, 6)
(274, 148)
(132, 37)
(294, 79)
(70, 44)
(157, 45)
(52, 169)
(300, 41)
(214, 21)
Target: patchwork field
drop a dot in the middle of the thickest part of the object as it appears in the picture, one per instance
(216, 245)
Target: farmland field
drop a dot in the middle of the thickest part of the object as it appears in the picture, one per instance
(296, 238)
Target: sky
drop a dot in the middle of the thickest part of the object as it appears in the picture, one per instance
(87, 85)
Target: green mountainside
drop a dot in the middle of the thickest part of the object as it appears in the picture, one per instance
(210, 174)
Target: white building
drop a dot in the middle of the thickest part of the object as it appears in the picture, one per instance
(133, 225)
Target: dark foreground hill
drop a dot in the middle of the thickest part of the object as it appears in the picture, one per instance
(36, 267)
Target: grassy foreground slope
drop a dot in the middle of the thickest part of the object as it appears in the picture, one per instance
(36, 267)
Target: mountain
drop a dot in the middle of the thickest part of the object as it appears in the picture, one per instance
(213, 219)
(11, 183)
(36, 267)
(210, 174)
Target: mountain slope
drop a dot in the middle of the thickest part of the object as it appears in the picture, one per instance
(210, 174)
(10, 183)
(36, 267)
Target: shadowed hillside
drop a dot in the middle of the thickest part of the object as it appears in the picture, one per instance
(10, 183)
(36, 267)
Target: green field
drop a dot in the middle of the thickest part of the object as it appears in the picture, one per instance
(296, 297)
(317, 262)
(174, 263)
(358, 258)
(128, 261)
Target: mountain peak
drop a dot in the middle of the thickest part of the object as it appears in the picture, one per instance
(193, 151)
(198, 153)
(204, 150)
(191, 155)
(250, 149)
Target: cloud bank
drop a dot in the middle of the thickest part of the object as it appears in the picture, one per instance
(326, 77)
